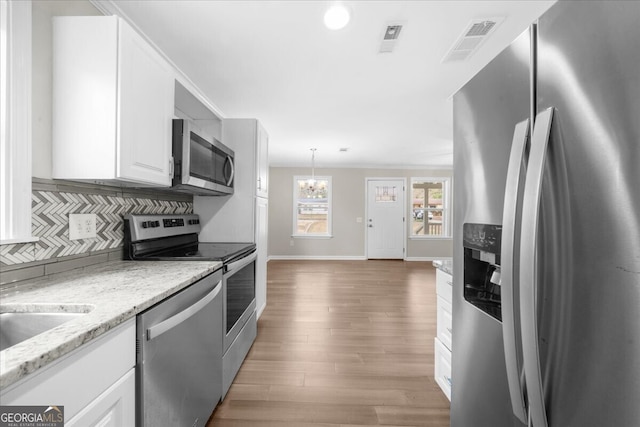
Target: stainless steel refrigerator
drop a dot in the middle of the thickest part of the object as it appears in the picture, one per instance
(546, 302)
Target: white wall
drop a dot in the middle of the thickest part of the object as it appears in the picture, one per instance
(349, 184)
(348, 241)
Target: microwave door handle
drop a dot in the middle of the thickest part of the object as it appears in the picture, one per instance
(186, 152)
(529, 266)
(229, 160)
(508, 279)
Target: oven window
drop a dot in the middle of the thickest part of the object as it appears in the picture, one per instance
(240, 293)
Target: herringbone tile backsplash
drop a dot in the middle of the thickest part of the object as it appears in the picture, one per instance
(50, 220)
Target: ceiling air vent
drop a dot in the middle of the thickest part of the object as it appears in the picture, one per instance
(391, 34)
(471, 39)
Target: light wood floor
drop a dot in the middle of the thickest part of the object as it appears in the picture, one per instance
(341, 343)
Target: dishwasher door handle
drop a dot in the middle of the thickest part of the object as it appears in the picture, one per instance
(162, 327)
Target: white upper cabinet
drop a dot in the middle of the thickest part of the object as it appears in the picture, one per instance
(233, 218)
(262, 167)
(145, 110)
(113, 102)
(250, 142)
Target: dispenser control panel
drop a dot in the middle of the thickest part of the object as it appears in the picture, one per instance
(482, 245)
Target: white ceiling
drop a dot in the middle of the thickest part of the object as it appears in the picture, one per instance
(316, 88)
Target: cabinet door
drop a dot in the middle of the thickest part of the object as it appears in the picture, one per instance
(84, 80)
(77, 379)
(113, 408)
(444, 285)
(262, 162)
(442, 367)
(145, 110)
(262, 212)
(444, 319)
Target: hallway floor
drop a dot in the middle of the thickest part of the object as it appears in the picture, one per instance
(341, 343)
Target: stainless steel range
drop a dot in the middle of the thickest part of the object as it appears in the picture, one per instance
(175, 238)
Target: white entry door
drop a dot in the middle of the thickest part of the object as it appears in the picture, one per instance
(385, 218)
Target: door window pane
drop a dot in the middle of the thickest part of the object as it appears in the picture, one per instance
(385, 194)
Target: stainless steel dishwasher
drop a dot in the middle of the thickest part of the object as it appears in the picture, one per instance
(179, 357)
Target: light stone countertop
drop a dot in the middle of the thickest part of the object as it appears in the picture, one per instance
(445, 265)
(113, 292)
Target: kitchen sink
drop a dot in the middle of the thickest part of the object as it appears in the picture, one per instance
(16, 327)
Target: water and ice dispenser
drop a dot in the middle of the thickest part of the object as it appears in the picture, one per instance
(482, 243)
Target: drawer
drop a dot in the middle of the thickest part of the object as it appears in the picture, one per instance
(442, 369)
(444, 285)
(444, 322)
(77, 378)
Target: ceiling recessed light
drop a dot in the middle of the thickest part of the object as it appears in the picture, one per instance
(336, 17)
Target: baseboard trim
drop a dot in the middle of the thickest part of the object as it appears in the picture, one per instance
(345, 258)
(316, 258)
(259, 310)
(427, 258)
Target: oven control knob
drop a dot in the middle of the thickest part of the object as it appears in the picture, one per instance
(144, 224)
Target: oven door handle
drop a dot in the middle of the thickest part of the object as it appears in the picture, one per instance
(162, 327)
(237, 265)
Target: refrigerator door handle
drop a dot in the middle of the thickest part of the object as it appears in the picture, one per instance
(528, 266)
(509, 280)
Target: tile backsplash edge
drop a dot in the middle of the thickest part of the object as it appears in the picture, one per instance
(53, 200)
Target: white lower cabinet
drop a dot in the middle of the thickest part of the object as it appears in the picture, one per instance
(444, 327)
(444, 322)
(95, 383)
(443, 367)
(444, 285)
(113, 408)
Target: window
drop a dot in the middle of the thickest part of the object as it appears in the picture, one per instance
(430, 212)
(312, 206)
(15, 121)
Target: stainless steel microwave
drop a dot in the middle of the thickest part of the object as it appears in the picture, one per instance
(201, 166)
